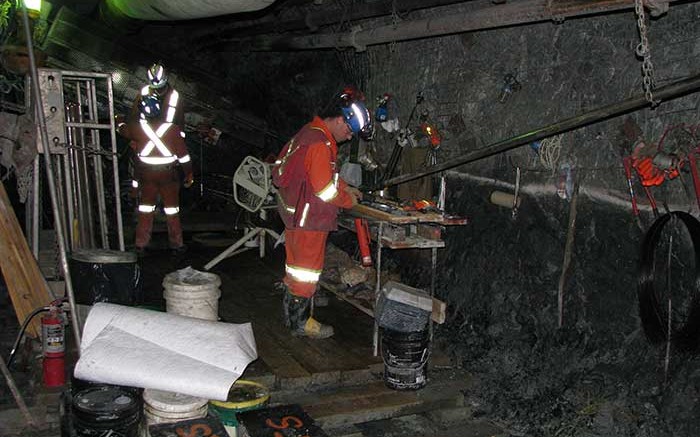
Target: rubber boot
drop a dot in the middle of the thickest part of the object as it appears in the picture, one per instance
(297, 317)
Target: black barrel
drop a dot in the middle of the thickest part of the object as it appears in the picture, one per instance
(106, 410)
(405, 356)
(101, 275)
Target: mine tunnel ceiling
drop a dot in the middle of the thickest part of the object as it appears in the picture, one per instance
(261, 25)
(326, 24)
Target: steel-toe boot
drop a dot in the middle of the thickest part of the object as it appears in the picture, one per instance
(297, 317)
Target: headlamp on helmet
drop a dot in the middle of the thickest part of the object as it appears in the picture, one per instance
(150, 107)
(157, 76)
(358, 119)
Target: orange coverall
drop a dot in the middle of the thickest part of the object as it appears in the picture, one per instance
(157, 174)
(305, 248)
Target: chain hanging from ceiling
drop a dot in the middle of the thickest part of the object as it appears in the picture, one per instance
(355, 64)
(643, 51)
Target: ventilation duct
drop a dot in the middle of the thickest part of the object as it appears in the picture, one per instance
(165, 10)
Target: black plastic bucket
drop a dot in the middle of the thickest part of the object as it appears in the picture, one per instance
(77, 385)
(405, 356)
(101, 275)
(106, 410)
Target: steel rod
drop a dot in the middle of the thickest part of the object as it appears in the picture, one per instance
(89, 219)
(377, 289)
(74, 166)
(87, 125)
(17, 395)
(667, 92)
(60, 235)
(115, 163)
(97, 164)
(36, 221)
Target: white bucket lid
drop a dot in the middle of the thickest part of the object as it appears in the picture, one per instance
(199, 412)
(171, 402)
(193, 295)
(103, 256)
(189, 279)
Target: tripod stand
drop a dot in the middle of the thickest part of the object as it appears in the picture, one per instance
(252, 191)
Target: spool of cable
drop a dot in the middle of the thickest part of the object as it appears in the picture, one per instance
(504, 199)
(653, 313)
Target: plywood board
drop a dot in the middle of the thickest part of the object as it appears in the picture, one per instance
(25, 283)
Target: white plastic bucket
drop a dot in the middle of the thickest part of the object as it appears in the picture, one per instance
(189, 292)
(167, 407)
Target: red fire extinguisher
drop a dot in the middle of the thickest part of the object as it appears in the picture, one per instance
(362, 230)
(53, 347)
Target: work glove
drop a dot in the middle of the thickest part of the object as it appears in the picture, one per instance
(189, 180)
(353, 200)
(354, 192)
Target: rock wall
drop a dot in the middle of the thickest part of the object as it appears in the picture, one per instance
(596, 374)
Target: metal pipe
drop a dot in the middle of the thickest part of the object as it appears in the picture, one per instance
(60, 235)
(270, 23)
(115, 163)
(97, 165)
(36, 221)
(68, 201)
(87, 125)
(74, 185)
(481, 15)
(89, 149)
(667, 92)
(57, 162)
(88, 218)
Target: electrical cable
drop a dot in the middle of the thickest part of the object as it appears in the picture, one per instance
(28, 319)
(20, 334)
(654, 316)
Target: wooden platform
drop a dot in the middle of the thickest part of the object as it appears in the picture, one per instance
(249, 295)
(337, 381)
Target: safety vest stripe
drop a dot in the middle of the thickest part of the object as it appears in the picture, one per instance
(147, 208)
(162, 129)
(157, 160)
(155, 138)
(304, 213)
(328, 192)
(174, 96)
(289, 209)
(185, 159)
(171, 115)
(145, 90)
(134, 183)
(303, 275)
(171, 210)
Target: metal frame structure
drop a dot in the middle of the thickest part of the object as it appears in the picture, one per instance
(71, 101)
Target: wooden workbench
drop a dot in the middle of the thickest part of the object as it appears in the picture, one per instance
(395, 228)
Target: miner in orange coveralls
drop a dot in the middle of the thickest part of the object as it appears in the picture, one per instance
(160, 148)
(309, 195)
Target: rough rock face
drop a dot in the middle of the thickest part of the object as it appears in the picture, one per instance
(597, 374)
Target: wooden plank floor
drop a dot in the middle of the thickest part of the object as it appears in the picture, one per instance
(248, 294)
